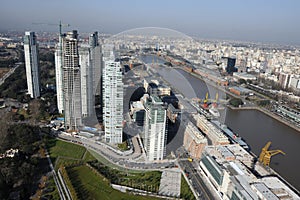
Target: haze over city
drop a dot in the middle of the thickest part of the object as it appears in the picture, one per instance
(261, 21)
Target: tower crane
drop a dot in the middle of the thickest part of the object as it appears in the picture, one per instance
(60, 25)
(265, 155)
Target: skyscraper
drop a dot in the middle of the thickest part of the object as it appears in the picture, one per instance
(93, 40)
(231, 65)
(71, 81)
(87, 90)
(155, 129)
(31, 63)
(59, 75)
(113, 100)
(96, 58)
(90, 65)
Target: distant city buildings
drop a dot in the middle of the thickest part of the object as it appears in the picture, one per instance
(32, 64)
(230, 68)
(112, 97)
(284, 80)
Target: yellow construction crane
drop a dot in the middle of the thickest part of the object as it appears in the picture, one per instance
(206, 100)
(265, 155)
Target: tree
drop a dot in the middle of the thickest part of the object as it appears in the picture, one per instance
(242, 81)
(235, 102)
(263, 102)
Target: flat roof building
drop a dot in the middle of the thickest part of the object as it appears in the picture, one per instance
(214, 134)
(230, 174)
(193, 141)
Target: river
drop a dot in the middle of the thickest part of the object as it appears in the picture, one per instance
(254, 126)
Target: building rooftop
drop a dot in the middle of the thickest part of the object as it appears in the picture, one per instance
(241, 89)
(279, 188)
(138, 105)
(264, 191)
(195, 133)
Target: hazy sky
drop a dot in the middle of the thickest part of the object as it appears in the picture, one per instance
(250, 20)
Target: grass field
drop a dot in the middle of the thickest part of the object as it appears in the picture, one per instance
(90, 185)
(148, 180)
(65, 149)
(185, 191)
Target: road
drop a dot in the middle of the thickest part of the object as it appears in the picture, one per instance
(130, 161)
(11, 71)
(191, 170)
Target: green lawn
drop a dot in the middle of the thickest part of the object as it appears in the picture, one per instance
(149, 180)
(185, 191)
(88, 157)
(123, 146)
(90, 185)
(65, 149)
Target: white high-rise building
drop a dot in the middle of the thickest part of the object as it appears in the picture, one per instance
(59, 76)
(155, 129)
(71, 81)
(32, 64)
(113, 100)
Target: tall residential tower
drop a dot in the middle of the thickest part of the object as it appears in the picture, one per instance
(155, 129)
(59, 75)
(71, 81)
(112, 98)
(32, 64)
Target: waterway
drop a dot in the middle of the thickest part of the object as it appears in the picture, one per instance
(254, 126)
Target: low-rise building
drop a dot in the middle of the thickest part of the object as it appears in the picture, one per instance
(193, 141)
(240, 91)
(137, 111)
(243, 75)
(172, 113)
(229, 169)
(215, 135)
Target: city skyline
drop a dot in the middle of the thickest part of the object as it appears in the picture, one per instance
(233, 20)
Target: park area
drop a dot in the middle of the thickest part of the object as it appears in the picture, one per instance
(88, 175)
